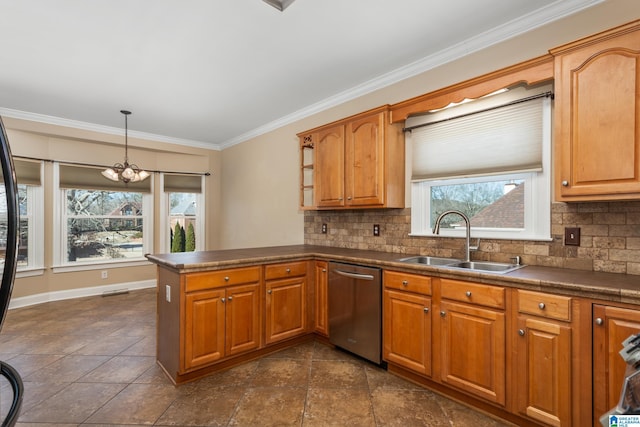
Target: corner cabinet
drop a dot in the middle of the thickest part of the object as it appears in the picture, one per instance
(596, 123)
(357, 162)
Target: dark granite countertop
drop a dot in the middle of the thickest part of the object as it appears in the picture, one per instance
(588, 284)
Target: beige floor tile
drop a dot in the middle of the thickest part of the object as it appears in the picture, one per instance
(267, 407)
(407, 408)
(281, 373)
(120, 369)
(67, 369)
(338, 374)
(213, 408)
(331, 407)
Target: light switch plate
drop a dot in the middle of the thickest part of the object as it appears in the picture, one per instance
(572, 236)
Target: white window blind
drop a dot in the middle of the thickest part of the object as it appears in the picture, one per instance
(498, 140)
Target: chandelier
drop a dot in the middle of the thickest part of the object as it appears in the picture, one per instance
(125, 172)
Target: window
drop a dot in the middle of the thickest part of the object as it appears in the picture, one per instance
(107, 224)
(183, 205)
(31, 218)
(490, 161)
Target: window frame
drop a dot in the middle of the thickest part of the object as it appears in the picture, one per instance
(165, 245)
(61, 264)
(35, 230)
(537, 197)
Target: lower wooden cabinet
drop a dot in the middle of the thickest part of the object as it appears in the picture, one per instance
(286, 301)
(219, 323)
(406, 321)
(543, 365)
(321, 313)
(612, 325)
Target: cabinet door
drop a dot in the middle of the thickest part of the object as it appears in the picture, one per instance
(407, 330)
(329, 167)
(204, 327)
(473, 350)
(612, 326)
(543, 371)
(597, 126)
(321, 301)
(286, 310)
(364, 161)
(242, 319)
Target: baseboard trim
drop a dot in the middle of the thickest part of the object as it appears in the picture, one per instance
(78, 293)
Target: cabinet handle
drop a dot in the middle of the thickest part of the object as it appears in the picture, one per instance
(269, 291)
(541, 306)
(226, 278)
(426, 309)
(222, 299)
(521, 332)
(599, 321)
(442, 314)
(288, 270)
(565, 183)
(229, 299)
(468, 294)
(405, 282)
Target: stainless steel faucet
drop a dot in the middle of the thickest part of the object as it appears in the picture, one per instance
(436, 229)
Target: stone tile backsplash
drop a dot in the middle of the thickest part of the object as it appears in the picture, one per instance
(609, 237)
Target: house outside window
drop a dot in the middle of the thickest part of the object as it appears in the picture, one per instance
(489, 158)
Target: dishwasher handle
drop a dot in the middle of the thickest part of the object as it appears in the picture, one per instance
(354, 275)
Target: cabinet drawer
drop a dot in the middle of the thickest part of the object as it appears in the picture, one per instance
(215, 279)
(287, 269)
(544, 305)
(407, 282)
(474, 293)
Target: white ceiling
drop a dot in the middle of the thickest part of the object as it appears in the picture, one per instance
(214, 73)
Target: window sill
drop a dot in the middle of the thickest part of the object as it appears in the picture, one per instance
(29, 272)
(68, 268)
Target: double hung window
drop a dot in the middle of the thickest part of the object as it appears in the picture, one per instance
(183, 210)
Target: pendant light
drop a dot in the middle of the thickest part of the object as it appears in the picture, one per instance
(125, 172)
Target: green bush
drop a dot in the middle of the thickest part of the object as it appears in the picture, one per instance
(190, 240)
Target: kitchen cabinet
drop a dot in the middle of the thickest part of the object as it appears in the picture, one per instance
(597, 132)
(543, 365)
(220, 320)
(407, 321)
(612, 325)
(286, 301)
(358, 163)
(321, 287)
(472, 324)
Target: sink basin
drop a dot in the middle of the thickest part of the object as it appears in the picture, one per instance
(429, 260)
(495, 267)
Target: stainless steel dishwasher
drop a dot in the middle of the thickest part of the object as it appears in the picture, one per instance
(355, 309)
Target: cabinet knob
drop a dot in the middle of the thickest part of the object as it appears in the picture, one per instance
(226, 278)
(405, 282)
(541, 306)
(426, 309)
(521, 332)
(468, 294)
(599, 321)
(222, 299)
(229, 299)
(565, 183)
(324, 270)
(442, 314)
(349, 198)
(269, 291)
(288, 270)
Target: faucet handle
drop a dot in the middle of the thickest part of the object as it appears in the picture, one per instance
(516, 259)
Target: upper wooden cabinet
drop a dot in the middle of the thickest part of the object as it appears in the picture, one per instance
(358, 162)
(597, 116)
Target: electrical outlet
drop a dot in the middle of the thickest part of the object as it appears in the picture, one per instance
(376, 229)
(167, 291)
(572, 236)
(104, 274)
(324, 228)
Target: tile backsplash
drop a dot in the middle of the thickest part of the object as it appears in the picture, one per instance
(609, 237)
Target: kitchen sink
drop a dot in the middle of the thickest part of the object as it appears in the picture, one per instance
(495, 267)
(429, 260)
(483, 266)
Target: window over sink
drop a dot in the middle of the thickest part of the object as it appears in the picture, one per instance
(489, 158)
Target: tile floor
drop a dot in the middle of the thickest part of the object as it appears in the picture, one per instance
(90, 362)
